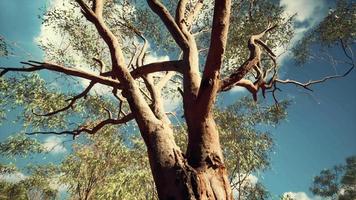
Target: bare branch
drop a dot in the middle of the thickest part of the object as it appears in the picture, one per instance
(117, 57)
(309, 83)
(254, 60)
(98, 6)
(9, 69)
(180, 12)
(93, 130)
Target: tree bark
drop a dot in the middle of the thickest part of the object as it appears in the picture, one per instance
(177, 178)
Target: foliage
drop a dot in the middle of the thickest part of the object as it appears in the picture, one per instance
(7, 168)
(338, 28)
(246, 148)
(37, 186)
(338, 182)
(104, 167)
(20, 145)
(3, 47)
(251, 19)
(31, 95)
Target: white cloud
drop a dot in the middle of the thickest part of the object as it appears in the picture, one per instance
(56, 184)
(309, 13)
(171, 104)
(305, 9)
(13, 177)
(54, 144)
(150, 58)
(251, 181)
(300, 196)
(297, 195)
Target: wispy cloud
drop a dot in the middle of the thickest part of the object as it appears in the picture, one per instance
(308, 14)
(306, 10)
(54, 145)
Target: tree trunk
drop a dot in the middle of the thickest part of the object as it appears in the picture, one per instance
(175, 177)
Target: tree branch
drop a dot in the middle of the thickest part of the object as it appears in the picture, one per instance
(175, 65)
(66, 70)
(72, 102)
(163, 81)
(117, 57)
(9, 69)
(194, 13)
(210, 82)
(93, 130)
(254, 61)
(169, 22)
(312, 82)
(180, 12)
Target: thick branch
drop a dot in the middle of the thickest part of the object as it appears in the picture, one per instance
(66, 70)
(169, 22)
(117, 57)
(211, 75)
(180, 12)
(175, 65)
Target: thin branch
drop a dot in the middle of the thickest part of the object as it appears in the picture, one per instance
(309, 83)
(254, 60)
(29, 69)
(163, 81)
(121, 100)
(71, 104)
(93, 130)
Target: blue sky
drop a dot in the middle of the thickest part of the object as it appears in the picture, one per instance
(321, 127)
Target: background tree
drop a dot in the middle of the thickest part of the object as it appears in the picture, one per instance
(104, 167)
(338, 182)
(101, 32)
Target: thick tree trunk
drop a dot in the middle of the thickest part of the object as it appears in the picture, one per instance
(176, 178)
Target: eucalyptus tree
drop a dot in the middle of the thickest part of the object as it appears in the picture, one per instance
(338, 182)
(110, 166)
(107, 34)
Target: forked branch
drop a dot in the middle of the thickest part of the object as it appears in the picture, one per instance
(169, 22)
